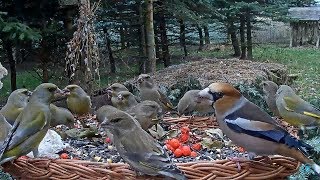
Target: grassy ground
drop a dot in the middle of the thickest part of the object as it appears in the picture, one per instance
(302, 61)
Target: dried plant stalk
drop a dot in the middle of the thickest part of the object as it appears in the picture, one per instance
(82, 56)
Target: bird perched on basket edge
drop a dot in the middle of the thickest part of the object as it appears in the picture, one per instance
(295, 110)
(17, 100)
(137, 147)
(270, 89)
(250, 127)
(31, 125)
(77, 99)
(149, 91)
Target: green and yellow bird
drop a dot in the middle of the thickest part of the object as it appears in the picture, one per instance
(77, 100)
(5, 128)
(17, 100)
(295, 110)
(61, 116)
(31, 125)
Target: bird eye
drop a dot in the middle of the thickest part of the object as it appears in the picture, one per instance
(51, 89)
(116, 120)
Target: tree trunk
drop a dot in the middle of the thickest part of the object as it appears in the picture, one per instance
(249, 36)
(122, 38)
(242, 37)
(200, 38)
(142, 45)
(151, 50)
(111, 58)
(206, 35)
(164, 41)
(157, 43)
(13, 72)
(183, 37)
(234, 39)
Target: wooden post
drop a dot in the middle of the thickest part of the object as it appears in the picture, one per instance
(291, 34)
(317, 34)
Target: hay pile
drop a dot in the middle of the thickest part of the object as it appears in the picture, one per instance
(207, 71)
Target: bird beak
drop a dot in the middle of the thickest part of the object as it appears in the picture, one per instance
(205, 94)
(29, 93)
(58, 93)
(120, 97)
(105, 123)
(109, 90)
(66, 91)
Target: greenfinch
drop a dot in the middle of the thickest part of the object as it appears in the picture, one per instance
(269, 90)
(147, 113)
(251, 128)
(61, 116)
(149, 91)
(295, 110)
(31, 125)
(191, 101)
(77, 100)
(124, 100)
(17, 100)
(137, 147)
(5, 128)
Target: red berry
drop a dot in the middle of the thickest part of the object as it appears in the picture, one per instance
(193, 154)
(23, 157)
(169, 147)
(186, 150)
(196, 146)
(178, 153)
(184, 137)
(108, 140)
(185, 130)
(174, 143)
(64, 156)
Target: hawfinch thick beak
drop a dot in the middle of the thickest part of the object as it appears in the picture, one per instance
(205, 94)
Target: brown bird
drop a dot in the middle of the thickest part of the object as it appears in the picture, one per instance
(17, 100)
(149, 91)
(137, 147)
(115, 88)
(77, 100)
(147, 113)
(124, 100)
(250, 127)
(191, 101)
(270, 89)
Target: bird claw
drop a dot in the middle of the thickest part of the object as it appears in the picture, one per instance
(237, 161)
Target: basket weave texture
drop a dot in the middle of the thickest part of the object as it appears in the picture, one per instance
(276, 167)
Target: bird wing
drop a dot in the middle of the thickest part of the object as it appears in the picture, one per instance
(164, 100)
(159, 161)
(246, 123)
(29, 129)
(249, 110)
(301, 107)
